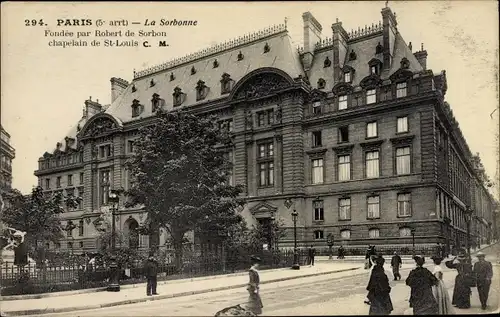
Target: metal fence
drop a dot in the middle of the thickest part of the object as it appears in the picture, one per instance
(32, 279)
(428, 250)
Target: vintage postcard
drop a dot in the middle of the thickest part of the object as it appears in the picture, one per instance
(249, 158)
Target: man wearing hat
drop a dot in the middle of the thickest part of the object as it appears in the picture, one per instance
(463, 281)
(484, 272)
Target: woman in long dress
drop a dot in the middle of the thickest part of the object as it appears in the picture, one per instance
(369, 265)
(461, 291)
(421, 281)
(254, 300)
(439, 291)
(379, 289)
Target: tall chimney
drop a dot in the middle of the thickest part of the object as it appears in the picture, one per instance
(92, 108)
(389, 35)
(118, 85)
(312, 35)
(340, 37)
(421, 57)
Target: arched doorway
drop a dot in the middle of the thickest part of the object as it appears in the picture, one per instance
(131, 234)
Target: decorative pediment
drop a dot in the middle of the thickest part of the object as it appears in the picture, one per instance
(343, 149)
(342, 89)
(99, 126)
(374, 62)
(263, 210)
(370, 81)
(371, 144)
(262, 85)
(317, 95)
(321, 83)
(401, 75)
(348, 69)
(403, 140)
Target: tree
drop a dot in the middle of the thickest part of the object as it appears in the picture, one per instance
(37, 214)
(269, 232)
(180, 177)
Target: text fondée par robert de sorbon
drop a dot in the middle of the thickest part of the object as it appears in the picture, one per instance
(103, 33)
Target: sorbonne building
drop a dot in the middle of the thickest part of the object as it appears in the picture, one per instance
(353, 129)
(7, 155)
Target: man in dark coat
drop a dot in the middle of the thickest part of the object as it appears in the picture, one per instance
(463, 281)
(379, 289)
(484, 272)
(396, 263)
(421, 281)
(341, 253)
(151, 271)
(312, 253)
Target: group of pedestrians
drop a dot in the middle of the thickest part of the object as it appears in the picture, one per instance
(428, 293)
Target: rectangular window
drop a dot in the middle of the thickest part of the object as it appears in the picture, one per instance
(229, 159)
(80, 194)
(69, 231)
(405, 232)
(316, 107)
(372, 164)
(70, 180)
(403, 161)
(371, 96)
(373, 69)
(404, 205)
(47, 183)
(266, 150)
(318, 234)
(265, 117)
(342, 102)
(347, 77)
(400, 90)
(316, 139)
(371, 130)
(343, 134)
(105, 187)
(345, 234)
(130, 146)
(105, 151)
(319, 214)
(317, 171)
(58, 182)
(345, 209)
(344, 167)
(80, 228)
(266, 172)
(373, 207)
(402, 125)
(374, 233)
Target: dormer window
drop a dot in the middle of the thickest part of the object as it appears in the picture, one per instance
(136, 108)
(316, 107)
(371, 96)
(321, 83)
(405, 63)
(172, 77)
(193, 70)
(152, 83)
(178, 96)
(156, 102)
(240, 56)
(201, 90)
(378, 49)
(352, 55)
(327, 62)
(375, 66)
(133, 88)
(267, 48)
(401, 90)
(226, 83)
(216, 64)
(347, 77)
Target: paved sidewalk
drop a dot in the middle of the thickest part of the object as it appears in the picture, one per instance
(168, 289)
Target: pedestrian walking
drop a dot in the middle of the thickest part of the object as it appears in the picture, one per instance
(463, 281)
(254, 301)
(369, 253)
(439, 291)
(151, 271)
(371, 261)
(341, 253)
(312, 253)
(421, 280)
(483, 271)
(396, 264)
(379, 289)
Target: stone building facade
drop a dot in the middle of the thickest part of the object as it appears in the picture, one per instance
(7, 155)
(353, 129)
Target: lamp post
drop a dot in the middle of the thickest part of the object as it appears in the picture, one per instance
(114, 272)
(413, 239)
(468, 216)
(329, 240)
(295, 265)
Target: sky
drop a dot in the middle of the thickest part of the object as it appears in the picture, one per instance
(43, 88)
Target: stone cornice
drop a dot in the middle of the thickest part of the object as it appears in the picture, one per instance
(343, 149)
(405, 139)
(316, 151)
(57, 169)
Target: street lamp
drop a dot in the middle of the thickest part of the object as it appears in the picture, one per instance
(413, 239)
(295, 265)
(114, 273)
(468, 215)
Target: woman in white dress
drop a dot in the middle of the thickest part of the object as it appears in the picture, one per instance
(439, 291)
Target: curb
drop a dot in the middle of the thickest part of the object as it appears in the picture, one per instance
(160, 297)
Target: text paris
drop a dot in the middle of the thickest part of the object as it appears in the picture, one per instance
(118, 43)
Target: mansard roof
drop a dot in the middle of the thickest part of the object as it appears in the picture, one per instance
(280, 55)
